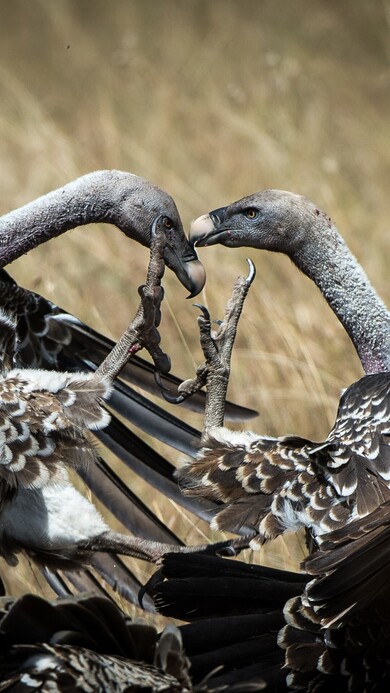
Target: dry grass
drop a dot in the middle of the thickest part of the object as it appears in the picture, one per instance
(210, 99)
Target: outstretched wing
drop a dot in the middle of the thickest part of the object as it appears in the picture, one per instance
(270, 485)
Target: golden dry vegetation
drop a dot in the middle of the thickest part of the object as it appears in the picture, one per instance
(211, 100)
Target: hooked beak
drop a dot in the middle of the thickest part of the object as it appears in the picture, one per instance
(194, 277)
(182, 259)
(204, 231)
(189, 270)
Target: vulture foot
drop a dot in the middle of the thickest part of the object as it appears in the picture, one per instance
(143, 329)
(217, 348)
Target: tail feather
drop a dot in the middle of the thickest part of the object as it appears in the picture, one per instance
(56, 582)
(107, 566)
(237, 655)
(197, 586)
(120, 578)
(227, 631)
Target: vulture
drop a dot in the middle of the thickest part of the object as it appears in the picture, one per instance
(267, 486)
(283, 629)
(37, 334)
(44, 418)
(335, 632)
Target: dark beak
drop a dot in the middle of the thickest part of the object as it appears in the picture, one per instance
(182, 259)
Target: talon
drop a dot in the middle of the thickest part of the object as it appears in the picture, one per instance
(251, 272)
(158, 381)
(166, 392)
(176, 400)
(203, 309)
(153, 231)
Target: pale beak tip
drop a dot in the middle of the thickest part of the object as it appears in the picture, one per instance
(197, 277)
(199, 228)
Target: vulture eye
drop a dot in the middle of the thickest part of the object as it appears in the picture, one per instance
(251, 213)
(168, 223)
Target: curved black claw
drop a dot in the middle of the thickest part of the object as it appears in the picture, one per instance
(167, 394)
(203, 309)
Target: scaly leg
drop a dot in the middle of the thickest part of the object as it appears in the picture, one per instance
(217, 349)
(143, 329)
(145, 549)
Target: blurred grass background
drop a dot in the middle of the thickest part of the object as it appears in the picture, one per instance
(211, 100)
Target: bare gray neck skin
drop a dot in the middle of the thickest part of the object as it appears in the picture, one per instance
(330, 264)
(89, 199)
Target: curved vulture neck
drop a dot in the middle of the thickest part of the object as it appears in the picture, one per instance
(89, 199)
(330, 264)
